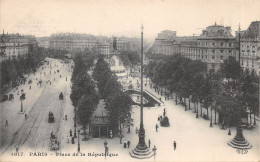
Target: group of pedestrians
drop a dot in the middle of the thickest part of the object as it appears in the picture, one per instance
(70, 137)
(126, 143)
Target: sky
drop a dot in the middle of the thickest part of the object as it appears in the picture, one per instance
(124, 17)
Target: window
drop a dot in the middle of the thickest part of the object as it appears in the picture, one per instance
(213, 57)
(206, 56)
(230, 44)
(213, 51)
(221, 44)
(242, 62)
(230, 52)
(221, 57)
(221, 51)
(213, 44)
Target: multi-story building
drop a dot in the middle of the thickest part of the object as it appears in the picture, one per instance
(73, 41)
(250, 47)
(163, 43)
(104, 48)
(125, 44)
(43, 42)
(215, 44)
(15, 45)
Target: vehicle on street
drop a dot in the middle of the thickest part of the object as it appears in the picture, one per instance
(11, 96)
(4, 98)
(54, 143)
(61, 96)
(51, 117)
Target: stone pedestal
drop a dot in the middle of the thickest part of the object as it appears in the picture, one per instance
(239, 142)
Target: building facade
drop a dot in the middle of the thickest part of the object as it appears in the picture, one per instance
(163, 43)
(250, 48)
(72, 41)
(215, 44)
(16, 45)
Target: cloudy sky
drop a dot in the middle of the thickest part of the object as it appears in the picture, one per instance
(124, 17)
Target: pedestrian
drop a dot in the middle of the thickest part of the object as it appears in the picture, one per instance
(149, 143)
(128, 143)
(174, 145)
(165, 98)
(125, 143)
(68, 139)
(30, 87)
(111, 134)
(25, 116)
(70, 133)
(65, 117)
(156, 127)
(17, 149)
(72, 140)
(158, 118)
(6, 122)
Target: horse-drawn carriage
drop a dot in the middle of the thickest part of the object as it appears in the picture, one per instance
(51, 117)
(22, 97)
(11, 97)
(61, 96)
(54, 143)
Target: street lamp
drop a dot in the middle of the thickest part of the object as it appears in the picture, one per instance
(75, 124)
(21, 99)
(197, 111)
(141, 150)
(78, 141)
(106, 148)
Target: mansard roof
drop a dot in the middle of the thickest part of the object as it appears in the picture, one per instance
(253, 31)
(217, 31)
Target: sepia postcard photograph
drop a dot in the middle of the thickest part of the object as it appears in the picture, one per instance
(129, 80)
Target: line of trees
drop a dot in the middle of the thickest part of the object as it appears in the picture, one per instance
(224, 91)
(129, 58)
(12, 70)
(118, 104)
(84, 95)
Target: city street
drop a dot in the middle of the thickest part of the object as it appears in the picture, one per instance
(34, 132)
(194, 138)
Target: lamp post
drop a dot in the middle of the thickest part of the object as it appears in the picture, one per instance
(239, 141)
(75, 124)
(141, 150)
(78, 141)
(197, 111)
(21, 99)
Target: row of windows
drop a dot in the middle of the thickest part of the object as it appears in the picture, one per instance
(248, 48)
(214, 44)
(204, 51)
(246, 63)
(221, 57)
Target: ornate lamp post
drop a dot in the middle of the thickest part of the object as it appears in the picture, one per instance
(21, 99)
(75, 124)
(239, 141)
(78, 141)
(141, 151)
